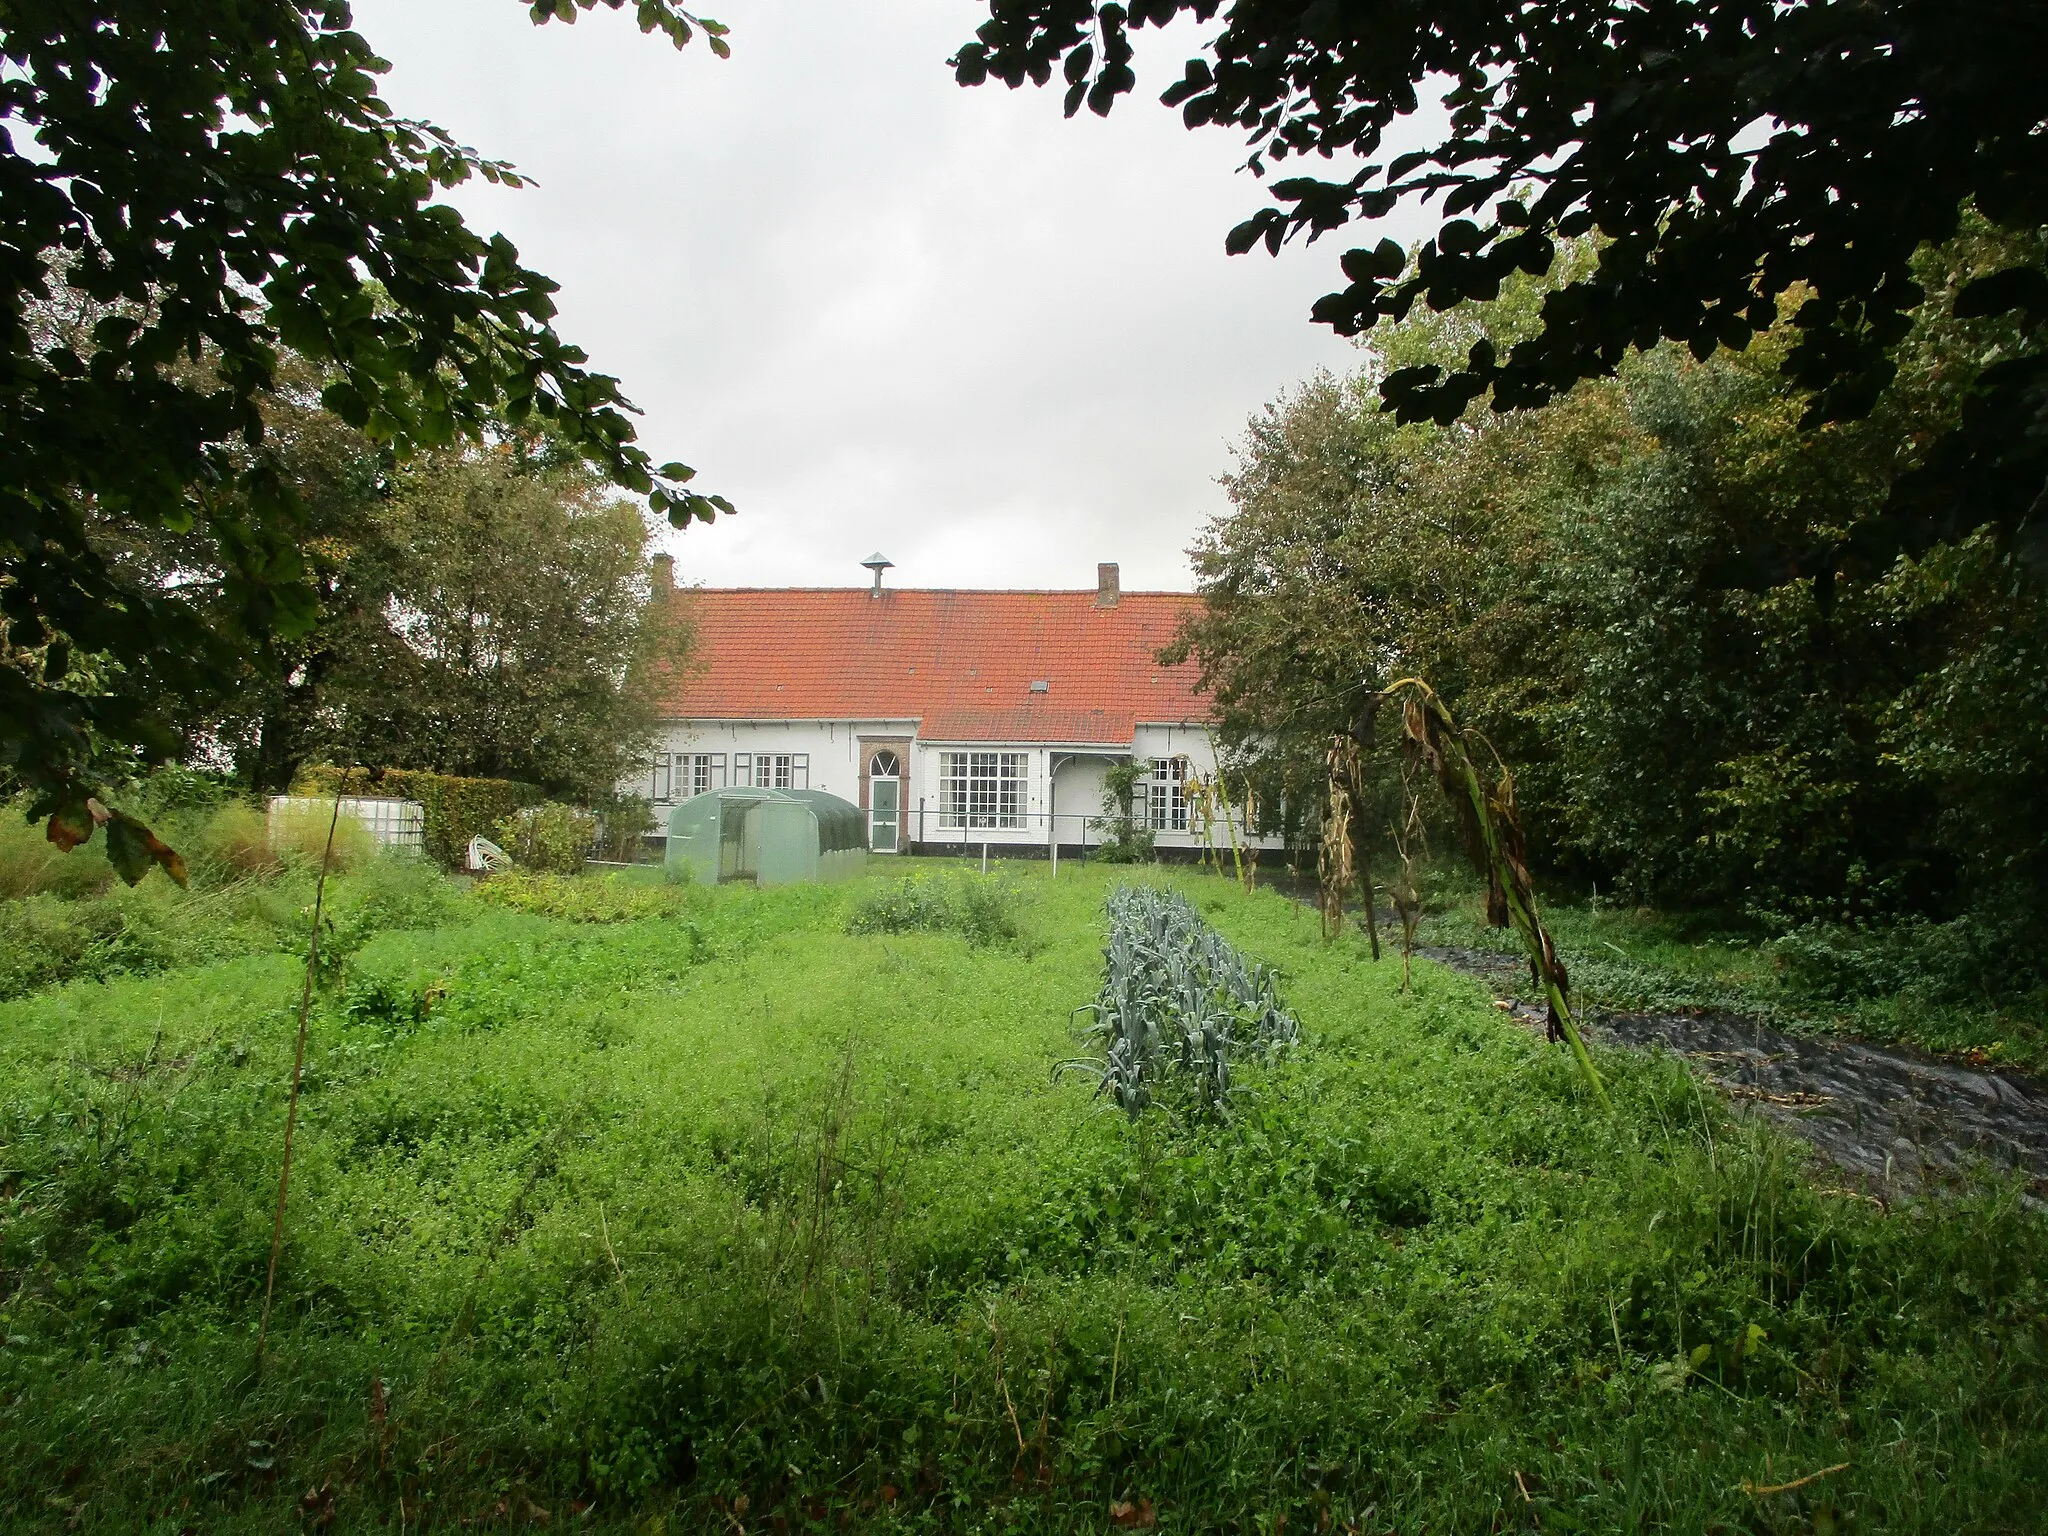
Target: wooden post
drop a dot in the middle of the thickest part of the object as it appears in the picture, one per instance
(1052, 814)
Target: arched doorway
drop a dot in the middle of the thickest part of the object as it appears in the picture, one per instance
(885, 801)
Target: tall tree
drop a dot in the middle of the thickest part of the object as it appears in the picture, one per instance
(519, 638)
(1685, 729)
(277, 711)
(221, 183)
(1731, 154)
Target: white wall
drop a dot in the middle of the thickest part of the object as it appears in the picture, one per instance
(1195, 744)
(832, 745)
(835, 765)
(1079, 803)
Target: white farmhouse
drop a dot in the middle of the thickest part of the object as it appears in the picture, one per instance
(953, 719)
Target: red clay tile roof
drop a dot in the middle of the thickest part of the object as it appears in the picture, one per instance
(962, 663)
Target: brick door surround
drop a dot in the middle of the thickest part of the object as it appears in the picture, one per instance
(900, 745)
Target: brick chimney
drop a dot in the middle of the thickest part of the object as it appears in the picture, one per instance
(664, 574)
(1106, 588)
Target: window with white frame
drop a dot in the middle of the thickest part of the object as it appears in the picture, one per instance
(680, 775)
(982, 790)
(698, 773)
(782, 770)
(1166, 795)
(743, 770)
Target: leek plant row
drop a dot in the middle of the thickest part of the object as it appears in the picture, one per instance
(1178, 1003)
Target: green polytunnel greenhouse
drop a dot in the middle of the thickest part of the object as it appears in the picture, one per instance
(768, 836)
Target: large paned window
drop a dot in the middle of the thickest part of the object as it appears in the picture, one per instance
(782, 770)
(1166, 794)
(680, 775)
(706, 773)
(771, 770)
(983, 790)
(676, 777)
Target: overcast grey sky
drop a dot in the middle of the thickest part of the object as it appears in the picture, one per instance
(874, 309)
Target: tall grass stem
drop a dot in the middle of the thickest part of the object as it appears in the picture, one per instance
(291, 1114)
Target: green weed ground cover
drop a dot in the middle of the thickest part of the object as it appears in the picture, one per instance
(730, 1219)
(1918, 985)
(66, 917)
(615, 896)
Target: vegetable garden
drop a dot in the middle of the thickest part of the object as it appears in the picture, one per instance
(759, 1211)
(1178, 1002)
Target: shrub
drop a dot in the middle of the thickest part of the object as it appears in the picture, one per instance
(986, 910)
(457, 808)
(244, 900)
(550, 838)
(222, 838)
(45, 940)
(980, 909)
(1956, 961)
(623, 821)
(174, 788)
(1125, 840)
(385, 1003)
(916, 905)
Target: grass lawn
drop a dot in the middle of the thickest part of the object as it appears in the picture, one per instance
(710, 1215)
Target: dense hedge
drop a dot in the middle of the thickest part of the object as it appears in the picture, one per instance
(457, 808)
(549, 838)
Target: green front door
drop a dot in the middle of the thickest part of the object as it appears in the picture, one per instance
(885, 815)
